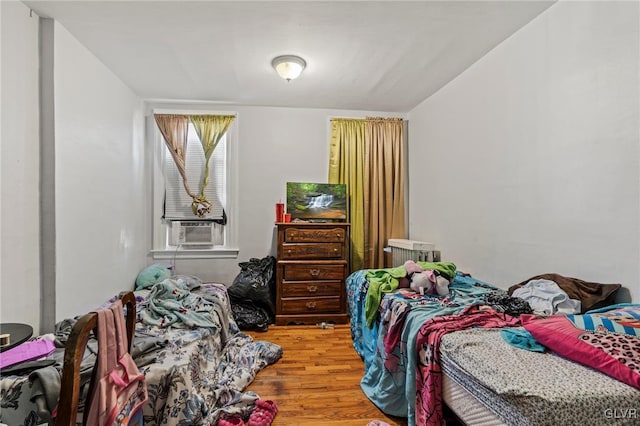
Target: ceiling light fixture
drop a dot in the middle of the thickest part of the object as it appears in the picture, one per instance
(288, 67)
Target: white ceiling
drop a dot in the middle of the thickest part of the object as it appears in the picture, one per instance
(362, 55)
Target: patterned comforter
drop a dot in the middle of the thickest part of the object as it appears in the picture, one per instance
(194, 376)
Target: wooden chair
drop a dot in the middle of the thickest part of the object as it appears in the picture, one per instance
(74, 351)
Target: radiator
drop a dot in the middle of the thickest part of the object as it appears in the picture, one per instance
(403, 250)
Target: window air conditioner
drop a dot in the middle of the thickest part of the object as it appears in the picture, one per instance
(194, 233)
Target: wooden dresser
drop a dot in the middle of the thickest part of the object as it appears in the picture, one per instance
(313, 262)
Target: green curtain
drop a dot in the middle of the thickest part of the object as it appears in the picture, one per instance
(210, 129)
(346, 165)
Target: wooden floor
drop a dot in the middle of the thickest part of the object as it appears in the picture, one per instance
(317, 380)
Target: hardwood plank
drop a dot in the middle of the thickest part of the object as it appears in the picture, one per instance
(317, 380)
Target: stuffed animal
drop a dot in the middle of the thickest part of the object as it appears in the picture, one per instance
(412, 267)
(442, 285)
(425, 281)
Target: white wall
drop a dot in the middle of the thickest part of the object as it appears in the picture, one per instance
(528, 162)
(276, 145)
(102, 185)
(19, 178)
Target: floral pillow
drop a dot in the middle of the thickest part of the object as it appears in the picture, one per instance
(607, 340)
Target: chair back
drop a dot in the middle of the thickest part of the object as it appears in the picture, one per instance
(74, 351)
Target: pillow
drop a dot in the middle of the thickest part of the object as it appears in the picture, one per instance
(152, 274)
(589, 340)
(190, 282)
(591, 295)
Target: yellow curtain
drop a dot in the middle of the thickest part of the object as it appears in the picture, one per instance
(384, 186)
(210, 129)
(346, 165)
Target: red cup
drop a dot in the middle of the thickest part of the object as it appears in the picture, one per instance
(287, 217)
(279, 212)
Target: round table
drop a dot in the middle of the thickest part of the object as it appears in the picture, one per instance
(18, 333)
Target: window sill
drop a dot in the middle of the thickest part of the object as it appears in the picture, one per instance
(190, 253)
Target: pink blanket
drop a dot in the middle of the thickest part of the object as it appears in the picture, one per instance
(429, 374)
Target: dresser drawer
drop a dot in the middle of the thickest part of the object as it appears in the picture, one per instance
(310, 305)
(312, 251)
(301, 235)
(311, 289)
(311, 271)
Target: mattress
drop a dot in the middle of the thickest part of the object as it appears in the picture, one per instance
(532, 388)
(477, 403)
(467, 407)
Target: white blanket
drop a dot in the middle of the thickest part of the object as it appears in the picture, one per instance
(546, 298)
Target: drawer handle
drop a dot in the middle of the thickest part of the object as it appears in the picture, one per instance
(312, 288)
(335, 250)
(314, 272)
(311, 305)
(289, 251)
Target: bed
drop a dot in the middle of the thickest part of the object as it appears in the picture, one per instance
(424, 352)
(196, 361)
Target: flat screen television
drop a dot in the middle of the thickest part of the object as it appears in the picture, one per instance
(317, 202)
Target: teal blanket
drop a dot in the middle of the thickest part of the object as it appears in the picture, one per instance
(394, 391)
(172, 304)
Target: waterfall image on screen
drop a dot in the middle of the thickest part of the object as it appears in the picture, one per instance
(320, 201)
(317, 201)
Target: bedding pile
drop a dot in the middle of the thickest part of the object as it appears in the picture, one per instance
(196, 361)
(389, 347)
(591, 295)
(200, 375)
(496, 345)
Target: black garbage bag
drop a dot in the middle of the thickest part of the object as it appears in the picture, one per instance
(249, 316)
(256, 283)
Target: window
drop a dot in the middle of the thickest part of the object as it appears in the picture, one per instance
(177, 202)
(177, 231)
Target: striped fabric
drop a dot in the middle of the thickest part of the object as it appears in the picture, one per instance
(624, 320)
